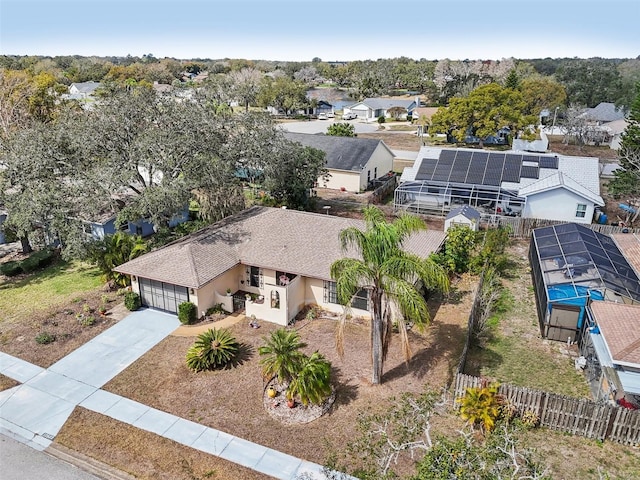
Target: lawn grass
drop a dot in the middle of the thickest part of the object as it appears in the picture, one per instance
(53, 286)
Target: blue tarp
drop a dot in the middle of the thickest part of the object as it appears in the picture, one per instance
(572, 295)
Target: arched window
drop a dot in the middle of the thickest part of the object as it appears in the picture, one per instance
(275, 299)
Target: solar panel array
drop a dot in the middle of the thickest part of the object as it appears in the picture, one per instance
(483, 168)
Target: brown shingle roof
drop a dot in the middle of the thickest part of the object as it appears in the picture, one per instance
(302, 243)
(629, 245)
(619, 324)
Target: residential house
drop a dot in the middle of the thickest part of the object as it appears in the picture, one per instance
(353, 163)
(463, 215)
(280, 258)
(104, 225)
(372, 108)
(552, 187)
(602, 113)
(83, 90)
(615, 129)
(611, 351)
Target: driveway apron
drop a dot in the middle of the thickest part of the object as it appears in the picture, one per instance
(36, 410)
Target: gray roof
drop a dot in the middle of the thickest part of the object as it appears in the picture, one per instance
(466, 211)
(604, 112)
(297, 242)
(385, 103)
(86, 87)
(342, 153)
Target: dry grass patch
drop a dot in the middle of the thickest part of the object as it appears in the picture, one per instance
(18, 338)
(231, 400)
(144, 454)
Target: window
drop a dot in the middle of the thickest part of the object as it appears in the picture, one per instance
(361, 300)
(368, 176)
(255, 278)
(375, 172)
(330, 294)
(275, 299)
(581, 211)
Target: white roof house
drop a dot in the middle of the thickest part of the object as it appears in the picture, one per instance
(464, 215)
(546, 186)
(372, 108)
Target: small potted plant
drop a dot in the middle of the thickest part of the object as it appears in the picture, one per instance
(228, 292)
(248, 297)
(102, 310)
(271, 392)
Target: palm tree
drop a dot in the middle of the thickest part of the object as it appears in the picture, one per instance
(390, 276)
(281, 355)
(313, 380)
(114, 250)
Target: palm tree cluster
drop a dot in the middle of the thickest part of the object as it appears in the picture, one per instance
(392, 277)
(306, 377)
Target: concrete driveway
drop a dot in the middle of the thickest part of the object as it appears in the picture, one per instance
(37, 409)
(320, 126)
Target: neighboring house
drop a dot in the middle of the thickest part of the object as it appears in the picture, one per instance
(323, 107)
(572, 267)
(372, 108)
(282, 257)
(105, 224)
(603, 113)
(615, 130)
(611, 351)
(3, 217)
(608, 170)
(84, 90)
(552, 187)
(353, 163)
(464, 215)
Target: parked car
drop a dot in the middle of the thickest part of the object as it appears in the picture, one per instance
(349, 116)
(330, 115)
(322, 116)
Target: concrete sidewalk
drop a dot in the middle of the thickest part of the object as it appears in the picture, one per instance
(35, 411)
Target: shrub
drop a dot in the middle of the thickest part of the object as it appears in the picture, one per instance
(281, 355)
(132, 301)
(87, 321)
(10, 269)
(212, 349)
(37, 260)
(187, 313)
(381, 119)
(217, 308)
(45, 338)
(481, 406)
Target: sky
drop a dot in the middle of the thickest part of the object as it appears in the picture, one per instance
(300, 30)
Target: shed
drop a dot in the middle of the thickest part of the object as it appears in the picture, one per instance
(464, 215)
(572, 265)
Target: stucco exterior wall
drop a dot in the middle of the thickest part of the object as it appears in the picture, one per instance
(351, 181)
(216, 291)
(557, 204)
(314, 293)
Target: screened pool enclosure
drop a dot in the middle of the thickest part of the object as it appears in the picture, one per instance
(571, 266)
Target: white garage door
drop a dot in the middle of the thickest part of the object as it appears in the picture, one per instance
(163, 296)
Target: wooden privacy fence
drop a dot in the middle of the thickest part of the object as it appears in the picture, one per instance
(383, 191)
(578, 416)
(522, 227)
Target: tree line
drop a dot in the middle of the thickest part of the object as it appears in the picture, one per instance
(586, 81)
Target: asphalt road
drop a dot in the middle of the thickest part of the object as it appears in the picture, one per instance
(19, 462)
